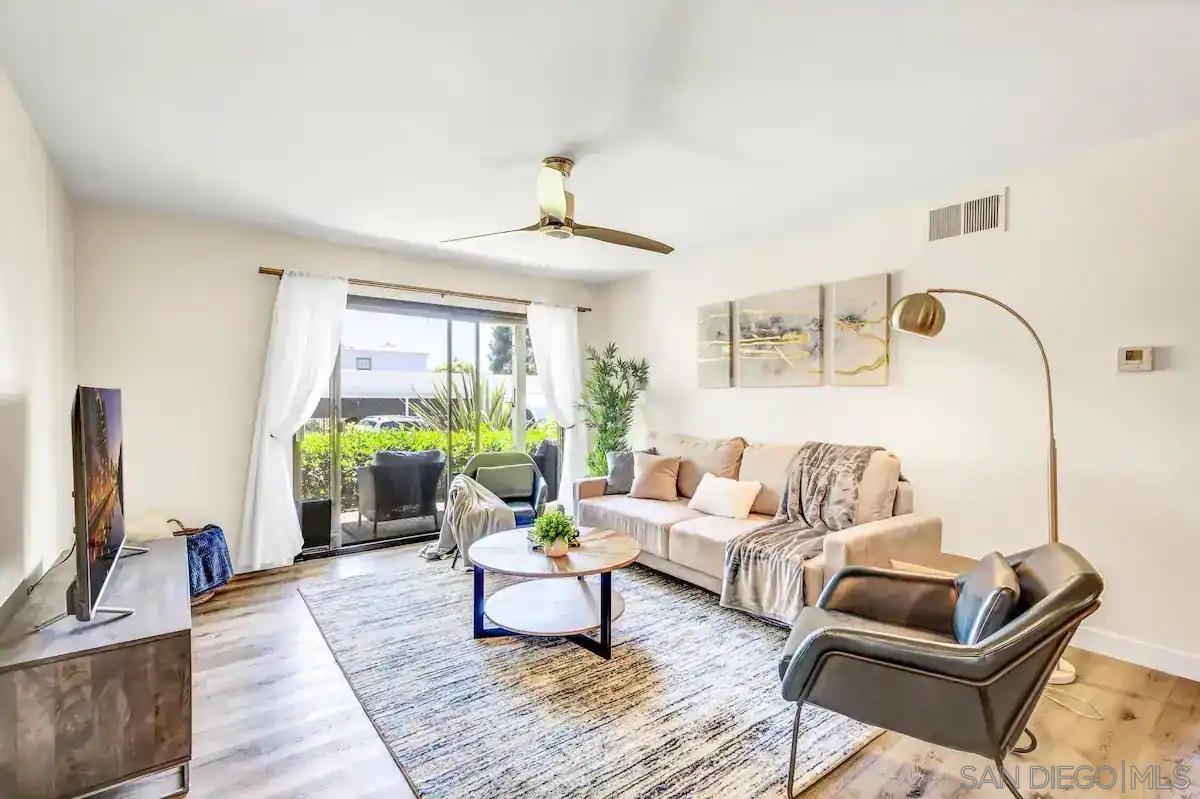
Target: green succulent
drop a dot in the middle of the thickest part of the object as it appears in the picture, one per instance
(554, 525)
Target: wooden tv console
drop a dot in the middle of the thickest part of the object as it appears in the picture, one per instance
(85, 707)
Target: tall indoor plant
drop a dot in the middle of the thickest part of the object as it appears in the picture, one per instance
(609, 395)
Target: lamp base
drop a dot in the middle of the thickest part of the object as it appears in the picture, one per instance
(1064, 673)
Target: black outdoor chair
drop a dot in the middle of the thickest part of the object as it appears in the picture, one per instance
(400, 485)
(546, 458)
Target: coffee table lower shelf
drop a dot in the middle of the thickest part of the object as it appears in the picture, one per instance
(567, 607)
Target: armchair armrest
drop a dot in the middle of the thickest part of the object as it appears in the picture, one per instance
(961, 662)
(895, 597)
(539, 494)
(909, 537)
(588, 488)
(819, 634)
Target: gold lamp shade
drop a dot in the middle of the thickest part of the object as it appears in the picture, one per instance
(921, 314)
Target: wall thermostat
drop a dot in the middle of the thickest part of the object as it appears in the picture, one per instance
(1135, 359)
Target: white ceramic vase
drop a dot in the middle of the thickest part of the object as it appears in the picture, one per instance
(557, 548)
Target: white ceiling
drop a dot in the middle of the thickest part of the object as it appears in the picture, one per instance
(696, 123)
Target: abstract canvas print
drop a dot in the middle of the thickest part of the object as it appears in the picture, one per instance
(860, 332)
(779, 338)
(714, 346)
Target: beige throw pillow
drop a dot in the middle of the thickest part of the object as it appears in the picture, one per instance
(654, 476)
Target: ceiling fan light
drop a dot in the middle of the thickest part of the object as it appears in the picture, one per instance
(556, 231)
(557, 214)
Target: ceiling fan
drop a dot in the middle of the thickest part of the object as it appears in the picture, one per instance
(557, 208)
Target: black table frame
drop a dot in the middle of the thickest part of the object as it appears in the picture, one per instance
(601, 646)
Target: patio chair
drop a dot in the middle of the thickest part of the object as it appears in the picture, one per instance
(400, 485)
(527, 502)
(546, 458)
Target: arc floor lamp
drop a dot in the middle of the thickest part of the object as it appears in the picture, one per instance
(923, 314)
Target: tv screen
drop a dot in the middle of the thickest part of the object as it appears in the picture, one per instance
(99, 493)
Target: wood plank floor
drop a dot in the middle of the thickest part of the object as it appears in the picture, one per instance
(274, 717)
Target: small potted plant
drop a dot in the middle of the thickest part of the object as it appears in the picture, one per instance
(554, 531)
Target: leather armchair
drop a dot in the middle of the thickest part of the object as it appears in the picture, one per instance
(880, 647)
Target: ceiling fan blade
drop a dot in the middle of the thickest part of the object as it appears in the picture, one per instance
(622, 238)
(552, 193)
(534, 226)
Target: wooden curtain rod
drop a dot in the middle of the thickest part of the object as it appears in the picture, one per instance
(379, 284)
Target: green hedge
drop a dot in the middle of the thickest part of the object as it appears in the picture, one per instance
(360, 444)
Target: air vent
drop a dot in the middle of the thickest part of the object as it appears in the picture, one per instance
(984, 213)
(945, 222)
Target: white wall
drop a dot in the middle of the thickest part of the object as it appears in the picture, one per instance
(36, 361)
(173, 312)
(1102, 251)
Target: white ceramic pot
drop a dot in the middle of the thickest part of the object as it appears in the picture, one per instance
(558, 548)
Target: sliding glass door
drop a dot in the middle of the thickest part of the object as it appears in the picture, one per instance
(418, 390)
(392, 444)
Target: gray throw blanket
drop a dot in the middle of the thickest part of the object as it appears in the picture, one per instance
(764, 568)
(471, 513)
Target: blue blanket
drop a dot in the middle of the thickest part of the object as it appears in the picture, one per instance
(209, 566)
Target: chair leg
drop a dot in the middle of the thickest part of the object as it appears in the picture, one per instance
(1007, 780)
(1024, 750)
(795, 739)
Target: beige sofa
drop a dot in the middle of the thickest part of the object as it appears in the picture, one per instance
(690, 545)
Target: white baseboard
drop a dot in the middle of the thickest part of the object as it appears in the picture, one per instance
(1122, 647)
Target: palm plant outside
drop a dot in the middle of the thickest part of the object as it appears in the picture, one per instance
(463, 402)
(481, 417)
(610, 394)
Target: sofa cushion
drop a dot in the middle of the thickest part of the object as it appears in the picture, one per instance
(721, 496)
(877, 491)
(654, 477)
(647, 520)
(700, 543)
(767, 464)
(620, 471)
(697, 456)
(507, 482)
(523, 512)
(987, 596)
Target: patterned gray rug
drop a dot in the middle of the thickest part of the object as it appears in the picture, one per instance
(689, 705)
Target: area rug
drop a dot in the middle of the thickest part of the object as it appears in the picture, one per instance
(689, 705)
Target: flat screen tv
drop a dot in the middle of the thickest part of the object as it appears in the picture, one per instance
(99, 496)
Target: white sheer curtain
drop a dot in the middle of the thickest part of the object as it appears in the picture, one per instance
(554, 333)
(306, 333)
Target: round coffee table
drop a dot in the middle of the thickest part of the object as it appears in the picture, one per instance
(548, 604)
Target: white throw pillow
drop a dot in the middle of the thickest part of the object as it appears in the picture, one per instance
(721, 496)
